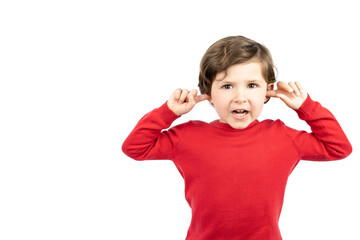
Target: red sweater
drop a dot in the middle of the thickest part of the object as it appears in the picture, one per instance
(235, 178)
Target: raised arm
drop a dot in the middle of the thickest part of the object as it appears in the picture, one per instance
(327, 141)
(148, 140)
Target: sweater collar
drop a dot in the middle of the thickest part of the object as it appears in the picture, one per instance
(226, 126)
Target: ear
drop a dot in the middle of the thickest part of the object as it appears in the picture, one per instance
(269, 88)
(208, 97)
(210, 100)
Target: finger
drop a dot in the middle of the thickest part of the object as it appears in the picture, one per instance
(175, 95)
(203, 97)
(295, 88)
(183, 95)
(271, 93)
(283, 95)
(284, 86)
(191, 96)
(193, 93)
(178, 93)
(300, 87)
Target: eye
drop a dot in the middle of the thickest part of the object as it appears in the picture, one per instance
(227, 86)
(252, 85)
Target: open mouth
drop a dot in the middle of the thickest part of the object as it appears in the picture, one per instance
(240, 112)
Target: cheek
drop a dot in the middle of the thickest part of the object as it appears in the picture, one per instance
(259, 96)
(221, 100)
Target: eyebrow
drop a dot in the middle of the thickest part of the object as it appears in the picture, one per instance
(255, 80)
(248, 81)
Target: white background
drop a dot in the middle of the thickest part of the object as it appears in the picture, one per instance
(76, 76)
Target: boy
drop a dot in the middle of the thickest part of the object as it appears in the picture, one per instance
(236, 168)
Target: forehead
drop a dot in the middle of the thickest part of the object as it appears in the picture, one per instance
(241, 71)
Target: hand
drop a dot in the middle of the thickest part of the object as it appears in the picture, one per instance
(182, 101)
(292, 94)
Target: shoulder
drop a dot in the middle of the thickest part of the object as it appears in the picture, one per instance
(188, 131)
(193, 124)
(275, 124)
(269, 123)
(190, 128)
(276, 128)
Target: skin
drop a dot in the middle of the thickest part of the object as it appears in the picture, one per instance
(242, 87)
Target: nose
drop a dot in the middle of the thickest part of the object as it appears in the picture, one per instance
(240, 96)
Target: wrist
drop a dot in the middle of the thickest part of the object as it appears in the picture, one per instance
(306, 107)
(170, 112)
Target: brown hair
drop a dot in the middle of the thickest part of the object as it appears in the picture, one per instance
(229, 51)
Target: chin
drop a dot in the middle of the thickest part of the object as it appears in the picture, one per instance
(239, 125)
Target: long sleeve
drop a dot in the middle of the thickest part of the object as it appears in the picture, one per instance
(148, 140)
(327, 141)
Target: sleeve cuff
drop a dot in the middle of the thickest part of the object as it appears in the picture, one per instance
(306, 108)
(168, 116)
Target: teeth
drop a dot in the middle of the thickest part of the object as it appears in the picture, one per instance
(240, 112)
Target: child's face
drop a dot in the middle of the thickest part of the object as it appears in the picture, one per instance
(239, 95)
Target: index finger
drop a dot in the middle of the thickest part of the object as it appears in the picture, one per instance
(284, 86)
(200, 98)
